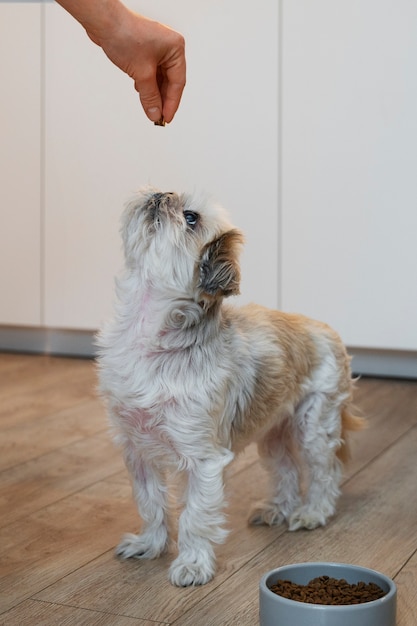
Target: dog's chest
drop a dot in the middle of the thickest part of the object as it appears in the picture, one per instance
(147, 429)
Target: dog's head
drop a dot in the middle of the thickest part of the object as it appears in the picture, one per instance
(183, 244)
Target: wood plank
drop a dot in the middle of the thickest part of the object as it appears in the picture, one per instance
(13, 364)
(390, 408)
(375, 527)
(129, 587)
(242, 461)
(65, 509)
(47, 614)
(114, 580)
(24, 372)
(33, 485)
(29, 440)
(382, 398)
(53, 542)
(407, 593)
(51, 384)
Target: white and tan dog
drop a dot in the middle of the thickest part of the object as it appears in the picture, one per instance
(190, 381)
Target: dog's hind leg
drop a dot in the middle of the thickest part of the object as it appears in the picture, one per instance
(200, 523)
(150, 494)
(279, 457)
(318, 419)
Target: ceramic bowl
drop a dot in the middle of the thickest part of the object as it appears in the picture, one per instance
(274, 610)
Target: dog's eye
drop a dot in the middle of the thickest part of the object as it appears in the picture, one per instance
(191, 218)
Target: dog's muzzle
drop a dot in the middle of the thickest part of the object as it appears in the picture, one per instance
(161, 204)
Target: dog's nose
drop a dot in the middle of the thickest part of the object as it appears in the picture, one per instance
(157, 197)
(162, 202)
(155, 201)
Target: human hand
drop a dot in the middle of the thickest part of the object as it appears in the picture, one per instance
(149, 52)
(152, 54)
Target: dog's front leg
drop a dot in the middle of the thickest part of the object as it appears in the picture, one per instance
(200, 522)
(150, 494)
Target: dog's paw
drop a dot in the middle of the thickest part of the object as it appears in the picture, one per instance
(184, 572)
(309, 518)
(266, 514)
(140, 547)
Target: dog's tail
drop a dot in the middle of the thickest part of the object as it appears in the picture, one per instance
(350, 422)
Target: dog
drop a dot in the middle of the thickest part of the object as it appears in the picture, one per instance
(189, 381)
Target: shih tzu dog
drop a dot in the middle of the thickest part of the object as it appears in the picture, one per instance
(190, 381)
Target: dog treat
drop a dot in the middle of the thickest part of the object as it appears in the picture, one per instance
(326, 590)
(160, 122)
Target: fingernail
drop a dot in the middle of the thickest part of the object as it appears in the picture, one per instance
(155, 112)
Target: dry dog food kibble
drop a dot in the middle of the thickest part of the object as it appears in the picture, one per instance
(326, 590)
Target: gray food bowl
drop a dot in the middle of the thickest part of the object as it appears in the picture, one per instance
(274, 610)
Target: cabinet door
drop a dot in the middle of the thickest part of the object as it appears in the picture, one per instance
(100, 147)
(349, 172)
(20, 150)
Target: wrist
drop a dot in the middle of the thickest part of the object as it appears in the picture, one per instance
(100, 18)
(103, 19)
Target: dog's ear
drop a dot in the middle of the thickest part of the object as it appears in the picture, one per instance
(219, 272)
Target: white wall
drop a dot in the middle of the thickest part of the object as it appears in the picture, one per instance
(349, 167)
(20, 156)
(100, 147)
(299, 116)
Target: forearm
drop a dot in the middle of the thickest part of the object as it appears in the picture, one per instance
(98, 17)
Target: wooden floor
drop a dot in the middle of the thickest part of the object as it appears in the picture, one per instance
(65, 499)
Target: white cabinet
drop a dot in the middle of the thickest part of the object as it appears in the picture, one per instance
(299, 116)
(349, 168)
(100, 147)
(20, 158)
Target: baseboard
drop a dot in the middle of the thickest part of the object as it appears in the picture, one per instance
(384, 363)
(56, 341)
(81, 343)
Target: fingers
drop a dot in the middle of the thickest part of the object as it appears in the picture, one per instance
(160, 98)
(162, 83)
(171, 102)
(171, 88)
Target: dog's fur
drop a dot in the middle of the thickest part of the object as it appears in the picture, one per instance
(190, 381)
